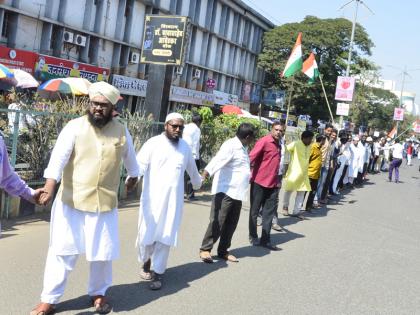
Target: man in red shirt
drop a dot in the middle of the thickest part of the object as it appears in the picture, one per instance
(265, 184)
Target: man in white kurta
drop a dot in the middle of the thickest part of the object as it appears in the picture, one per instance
(84, 219)
(162, 160)
(191, 135)
(357, 151)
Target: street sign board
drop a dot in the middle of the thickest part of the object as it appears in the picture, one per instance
(164, 39)
(399, 114)
(345, 88)
(211, 83)
(342, 109)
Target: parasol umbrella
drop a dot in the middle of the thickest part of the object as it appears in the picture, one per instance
(231, 109)
(75, 86)
(5, 72)
(23, 79)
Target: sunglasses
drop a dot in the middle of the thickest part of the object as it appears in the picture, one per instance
(180, 127)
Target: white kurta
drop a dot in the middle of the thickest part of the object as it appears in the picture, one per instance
(356, 160)
(162, 164)
(191, 135)
(74, 232)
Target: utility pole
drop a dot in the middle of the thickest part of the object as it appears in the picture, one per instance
(401, 94)
(352, 37)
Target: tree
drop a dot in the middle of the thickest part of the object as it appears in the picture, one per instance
(329, 39)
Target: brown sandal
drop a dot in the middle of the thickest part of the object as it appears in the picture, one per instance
(101, 305)
(205, 256)
(43, 309)
(229, 257)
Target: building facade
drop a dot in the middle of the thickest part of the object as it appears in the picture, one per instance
(103, 40)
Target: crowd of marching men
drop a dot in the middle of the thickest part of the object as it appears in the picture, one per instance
(86, 161)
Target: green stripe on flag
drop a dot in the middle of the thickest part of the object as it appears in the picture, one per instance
(293, 68)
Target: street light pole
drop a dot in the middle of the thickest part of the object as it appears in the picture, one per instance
(401, 95)
(351, 47)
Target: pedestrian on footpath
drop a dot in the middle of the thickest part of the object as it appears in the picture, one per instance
(265, 184)
(84, 216)
(231, 170)
(409, 152)
(397, 156)
(191, 135)
(297, 178)
(11, 182)
(162, 160)
(314, 169)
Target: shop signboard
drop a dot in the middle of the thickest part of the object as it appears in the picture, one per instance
(18, 59)
(182, 95)
(164, 39)
(48, 67)
(221, 98)
(129, 86)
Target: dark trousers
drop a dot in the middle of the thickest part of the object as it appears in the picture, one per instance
(312, 193)
(395, 165)
(189, 191)
(268, 199)
(340, 182)
(325, 189)
(224, 217)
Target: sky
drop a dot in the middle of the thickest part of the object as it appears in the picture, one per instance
(393, 28)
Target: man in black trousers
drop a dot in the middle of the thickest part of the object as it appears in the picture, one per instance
(231, 171)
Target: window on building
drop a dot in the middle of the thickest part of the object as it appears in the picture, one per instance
(213, 15)
(223, 20)
(93, 50)
(192, 43)
(5, 26)
(226, 29)
(178, 7)
(208, 14)
(204, 50)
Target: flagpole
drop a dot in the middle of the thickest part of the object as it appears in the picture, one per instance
(290, 100)
(326, 98)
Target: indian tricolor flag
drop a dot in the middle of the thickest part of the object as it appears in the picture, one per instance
(294, 63)
(310, 68)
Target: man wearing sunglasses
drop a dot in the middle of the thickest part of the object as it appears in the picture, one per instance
(162, 160)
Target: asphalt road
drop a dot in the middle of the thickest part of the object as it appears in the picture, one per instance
(359, 255)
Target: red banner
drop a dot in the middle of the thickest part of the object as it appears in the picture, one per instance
(18, 59)
(48, 67)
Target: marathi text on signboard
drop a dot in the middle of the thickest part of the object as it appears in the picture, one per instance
(163, 39)
(399, 114)
(183, 95)
(129, 86)
(48, 67)
(345, 88)
(18, 59)
(343, 109)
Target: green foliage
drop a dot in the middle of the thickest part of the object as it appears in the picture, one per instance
(216, 130)
(373, 108)
(329, 39)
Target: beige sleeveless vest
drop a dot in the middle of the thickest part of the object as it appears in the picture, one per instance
(92, 175)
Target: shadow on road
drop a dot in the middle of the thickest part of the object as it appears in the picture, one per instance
(131, 296)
